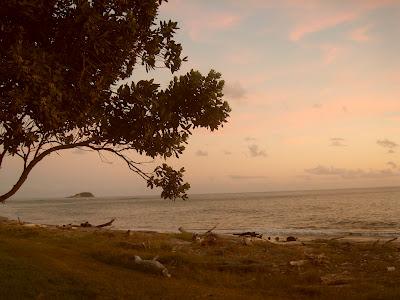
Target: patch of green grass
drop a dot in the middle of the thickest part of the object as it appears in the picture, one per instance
(42, 263)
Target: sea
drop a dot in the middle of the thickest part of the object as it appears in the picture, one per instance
(371, 212)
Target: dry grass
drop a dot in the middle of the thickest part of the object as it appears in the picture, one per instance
(85, 264)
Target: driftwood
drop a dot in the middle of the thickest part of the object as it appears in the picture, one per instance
(207, 238)
(249, 234)
(337, 238)
(376, 242)
(182, 230)
(106, 224)
(152, 265)
(86, 225)
(210, 230)
(391, 240)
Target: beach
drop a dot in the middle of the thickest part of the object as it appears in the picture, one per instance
(48, 262)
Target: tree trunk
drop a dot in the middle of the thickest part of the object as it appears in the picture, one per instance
(33, 163)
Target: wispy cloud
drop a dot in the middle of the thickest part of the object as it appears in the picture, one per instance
(360, 34)
(337, 142)
(314, 24)
(201, 153)
(392, 164)
(234, 90)
(250, 139)
(227, 152)
(317, 16)
(200, 27)
(388, 144)
(201, 20)
(351, 173)
(317, 105)
(243, 177)
(256, 152)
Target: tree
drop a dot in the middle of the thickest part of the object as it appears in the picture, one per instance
(61, 64)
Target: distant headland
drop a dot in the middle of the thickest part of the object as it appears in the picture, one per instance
(82, 195)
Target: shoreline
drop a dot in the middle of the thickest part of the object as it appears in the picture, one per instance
(272, 238)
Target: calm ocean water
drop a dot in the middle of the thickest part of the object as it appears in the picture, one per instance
(364, 212)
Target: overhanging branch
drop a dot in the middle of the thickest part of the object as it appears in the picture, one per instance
(132, 165)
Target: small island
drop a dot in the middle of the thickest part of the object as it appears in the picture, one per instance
(82, 195)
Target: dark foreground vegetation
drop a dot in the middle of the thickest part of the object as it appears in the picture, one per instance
(51, 263)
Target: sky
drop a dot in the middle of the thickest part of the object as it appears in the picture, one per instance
(314, 87)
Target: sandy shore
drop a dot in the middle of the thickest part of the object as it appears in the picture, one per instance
(276, 239)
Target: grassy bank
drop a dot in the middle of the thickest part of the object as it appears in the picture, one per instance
(49, 263)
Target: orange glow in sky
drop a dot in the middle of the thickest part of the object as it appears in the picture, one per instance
(314, 88)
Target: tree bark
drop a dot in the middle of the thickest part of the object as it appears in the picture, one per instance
(33, 163)
(2, 154)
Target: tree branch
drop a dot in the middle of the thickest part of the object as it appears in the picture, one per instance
(33, 162)
(131, 164)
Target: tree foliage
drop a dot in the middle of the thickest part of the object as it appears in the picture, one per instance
(61, 64)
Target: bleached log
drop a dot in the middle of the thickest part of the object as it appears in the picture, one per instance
(153, 265)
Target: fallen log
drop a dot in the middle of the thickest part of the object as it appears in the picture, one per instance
(210, 230)
(376, 242)
(391, 240)
(249, 234)
(205, 239)
(86, 225)
(106, 224)
(337, 238)
(182, 230)
(152, 265)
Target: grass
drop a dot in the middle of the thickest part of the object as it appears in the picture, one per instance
(48, 263)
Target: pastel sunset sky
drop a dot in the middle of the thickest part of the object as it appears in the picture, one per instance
(314, 87)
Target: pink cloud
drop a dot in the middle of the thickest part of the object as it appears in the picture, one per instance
(199, 27)
(333, 112)
(360, 34)
(313, 25)
(315, 16)
(198, 20)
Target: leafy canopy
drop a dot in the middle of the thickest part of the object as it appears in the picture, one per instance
(61, 64)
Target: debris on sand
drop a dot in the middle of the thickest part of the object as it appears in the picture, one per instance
(152, 265)
(291, 239)
(298, 263)
(249, 234)
(335, 279)
(247, 241)
(86, 225)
